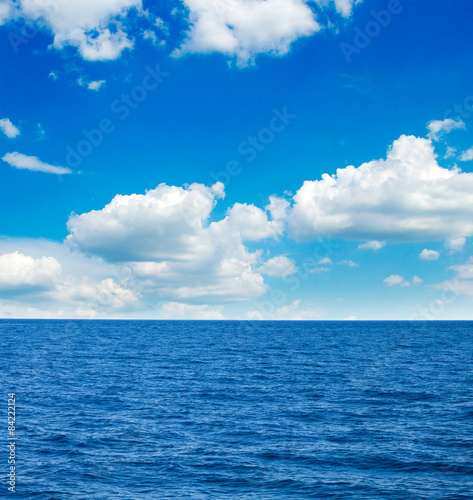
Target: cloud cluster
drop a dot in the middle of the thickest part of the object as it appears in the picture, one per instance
(406, 196)
(165, 254)
(396, 279)
(101, 30)
(172, 248)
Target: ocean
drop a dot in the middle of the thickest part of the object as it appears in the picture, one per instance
(239, 410)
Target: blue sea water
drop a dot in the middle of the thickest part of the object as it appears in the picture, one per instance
(238, 410)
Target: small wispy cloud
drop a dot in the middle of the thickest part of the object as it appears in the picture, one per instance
(152, 37)
(372, 245)
(451, 151)
(439, 127)
(23, 162)
(91, 85)
(466, 155)
(40, 132)
(348, 263)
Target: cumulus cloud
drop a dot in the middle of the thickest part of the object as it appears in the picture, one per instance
(23, 162)
(466, 155)
(429, 254)
(372, 245)
(166, 223)
(244, 29)
(97, 29)
(455, 244)
(439, 127)
(171, 248)
(406, 196)
(396, 279)
(7, 127)
(278, 267)
(23, 273)
(178, 310)
(324, 261)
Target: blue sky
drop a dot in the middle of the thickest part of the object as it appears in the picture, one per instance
(236, 159)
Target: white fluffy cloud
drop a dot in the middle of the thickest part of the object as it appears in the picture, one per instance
(278, 267)
(372, 245)
(23, 162)
(97, 29)
(245, 28)
(427, 254)
(23, 273)
(166, 223)
(407, 196)
(165, 238)
(7, 127)
(439, 127)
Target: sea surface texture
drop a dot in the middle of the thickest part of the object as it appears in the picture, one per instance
(240, 410)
